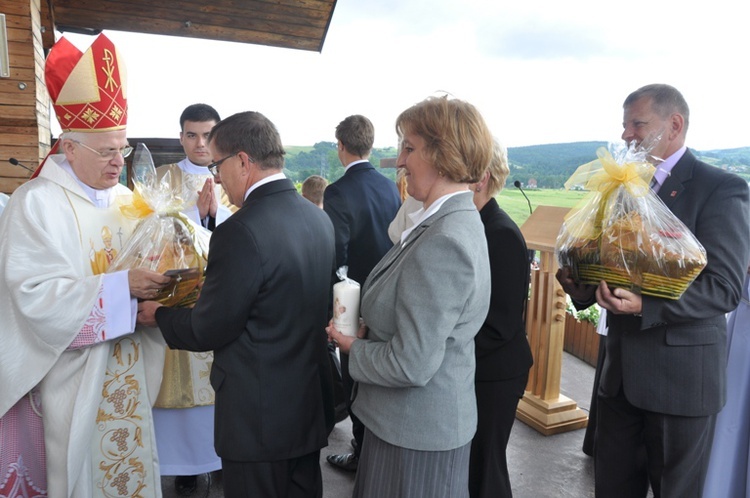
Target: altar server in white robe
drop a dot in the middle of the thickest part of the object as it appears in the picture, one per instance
(184, 410)
(77, 376)
(205, 201)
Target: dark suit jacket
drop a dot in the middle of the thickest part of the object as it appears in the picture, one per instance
(502, 349)
(263, 311)
(361, 205)
(673, 359)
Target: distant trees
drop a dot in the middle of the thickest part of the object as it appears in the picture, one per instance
(319, 161)
(323, 160)
(550, 165)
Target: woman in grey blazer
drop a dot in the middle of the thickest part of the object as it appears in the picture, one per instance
(422, 305)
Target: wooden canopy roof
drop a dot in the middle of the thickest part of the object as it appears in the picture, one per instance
(298, 24)
(31, 24)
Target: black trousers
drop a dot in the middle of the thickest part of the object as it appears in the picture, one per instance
(358, 428)
(293, 478)
(496, 412)
(340, 400)
(635, 448)
(589, 437)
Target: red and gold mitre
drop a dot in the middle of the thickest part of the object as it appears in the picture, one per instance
(88, 89)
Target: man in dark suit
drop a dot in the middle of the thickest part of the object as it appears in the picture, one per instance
(361, 205)
(263, 310)
(663, 379)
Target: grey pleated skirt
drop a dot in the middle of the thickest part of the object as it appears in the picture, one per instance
(390, 471)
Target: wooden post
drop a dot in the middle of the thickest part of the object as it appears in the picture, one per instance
(542, 406)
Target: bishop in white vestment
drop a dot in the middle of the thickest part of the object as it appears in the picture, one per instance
(77, 376)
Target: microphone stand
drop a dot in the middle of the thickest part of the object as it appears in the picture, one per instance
(517, 184)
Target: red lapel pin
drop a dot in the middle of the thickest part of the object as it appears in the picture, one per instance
(673, 194)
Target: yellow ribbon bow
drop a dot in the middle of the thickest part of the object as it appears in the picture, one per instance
(138, 208)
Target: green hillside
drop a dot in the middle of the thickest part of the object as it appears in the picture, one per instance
(548, 165)
(551, 165)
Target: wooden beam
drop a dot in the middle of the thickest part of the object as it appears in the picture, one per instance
(174, 28)
(47, 21)
(244, 26)
(274, 24)
(303, 13)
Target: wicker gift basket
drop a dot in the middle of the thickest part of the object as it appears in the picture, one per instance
(622, 233)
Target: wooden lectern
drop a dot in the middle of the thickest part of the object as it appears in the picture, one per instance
(542, 406)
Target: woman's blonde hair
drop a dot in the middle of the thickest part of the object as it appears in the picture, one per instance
(458, 142)
(498, 168)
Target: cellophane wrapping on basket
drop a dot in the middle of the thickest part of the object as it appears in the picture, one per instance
(622, 233)
(164, 240)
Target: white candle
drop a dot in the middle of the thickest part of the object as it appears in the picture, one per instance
(346, 307)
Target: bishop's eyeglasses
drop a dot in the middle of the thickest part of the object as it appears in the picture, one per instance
(108, 154)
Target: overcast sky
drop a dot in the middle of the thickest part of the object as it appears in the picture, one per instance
(541, 71)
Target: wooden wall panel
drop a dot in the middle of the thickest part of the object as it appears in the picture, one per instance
(24, 104)
(581, 340)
